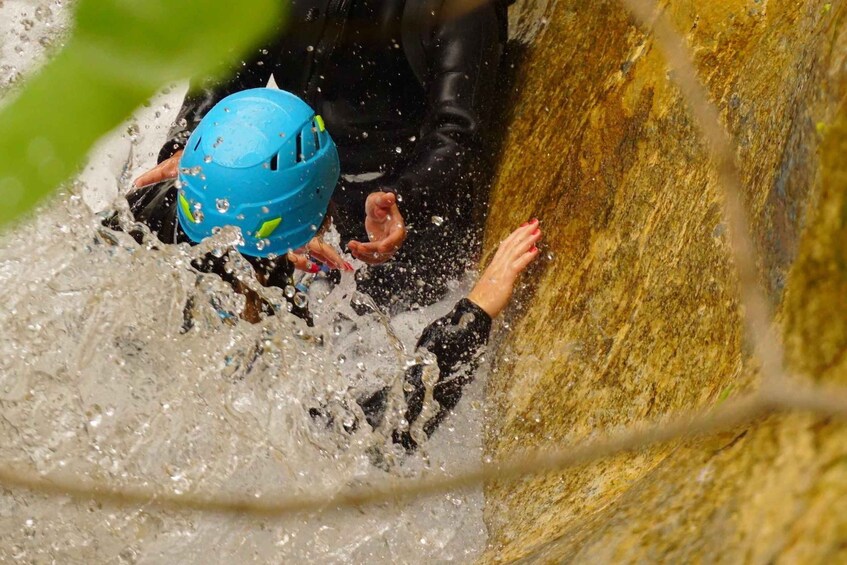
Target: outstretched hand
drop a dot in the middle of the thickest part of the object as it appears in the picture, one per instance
(167, 169)
(494, 289)
(385, 227)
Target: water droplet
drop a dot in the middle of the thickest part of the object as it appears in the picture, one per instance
(437, 220)
(289, 291)
(222, 204)
(207, 159)
(301, 300)
(266, 210)
(313, 227)
(365, 134)
(310, 48)
(398, 149)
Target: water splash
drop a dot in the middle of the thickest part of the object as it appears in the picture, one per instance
(141, 373)
(122, 364)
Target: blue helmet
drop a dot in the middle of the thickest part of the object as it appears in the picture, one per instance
(260, 160)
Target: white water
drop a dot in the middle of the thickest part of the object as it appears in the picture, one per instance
(99, 379)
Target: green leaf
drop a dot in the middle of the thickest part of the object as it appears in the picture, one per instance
(120, 53)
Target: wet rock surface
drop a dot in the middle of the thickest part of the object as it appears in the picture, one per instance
(634, 316)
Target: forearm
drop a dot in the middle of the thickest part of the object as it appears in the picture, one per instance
(455, 341)
(462, 60)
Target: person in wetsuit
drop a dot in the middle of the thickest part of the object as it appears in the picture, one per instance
(263, 161)
(404, 87)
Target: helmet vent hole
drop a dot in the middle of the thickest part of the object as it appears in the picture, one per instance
(197, 146)
(300, 157)
(275, 162)
(317, 137)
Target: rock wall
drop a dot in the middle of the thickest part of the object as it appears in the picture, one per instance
(634, 314)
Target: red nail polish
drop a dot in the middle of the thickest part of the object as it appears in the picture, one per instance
(534, 221)
(536, 232)
(534, 249)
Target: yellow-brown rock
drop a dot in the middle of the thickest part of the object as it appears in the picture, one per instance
(635, 317)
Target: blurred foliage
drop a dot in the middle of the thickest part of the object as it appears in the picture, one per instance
(120, 53)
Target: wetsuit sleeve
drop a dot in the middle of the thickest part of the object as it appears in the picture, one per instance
(203, 94)
(455, 340)
(462, 59)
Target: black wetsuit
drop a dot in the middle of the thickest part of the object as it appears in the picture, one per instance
(455, 339)
(403, 88)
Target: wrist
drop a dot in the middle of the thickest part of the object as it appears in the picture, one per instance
(480, 300)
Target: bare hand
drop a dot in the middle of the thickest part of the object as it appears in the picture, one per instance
(167, 169)
(494, 289)
(385, 227)
(323, 252)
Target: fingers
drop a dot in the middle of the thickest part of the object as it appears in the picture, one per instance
(167, 169)
(527, 231)
(323, 252)
(522, 248)
(374, 252)
(524, 260)
(152, 176)
(392, 241)
(385, 199)
(527, 241)
(378, 251)
(301, 262)
(381, 205)
(521, 239)
(493, 290)
(368, 257)
(327, 255)
(385, 227)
